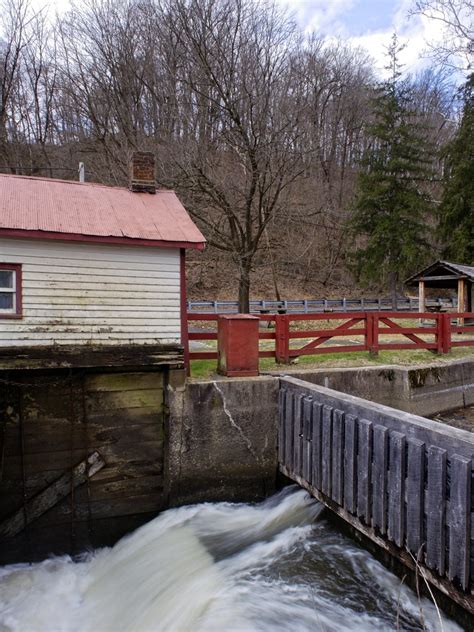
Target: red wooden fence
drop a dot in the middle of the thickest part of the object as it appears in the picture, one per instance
(374, 332)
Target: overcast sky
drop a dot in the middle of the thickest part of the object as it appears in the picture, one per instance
(369, 23)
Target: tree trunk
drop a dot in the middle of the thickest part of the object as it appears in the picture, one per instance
(274, 272)
(244, 288)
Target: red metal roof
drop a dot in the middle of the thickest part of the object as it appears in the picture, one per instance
(63, 209)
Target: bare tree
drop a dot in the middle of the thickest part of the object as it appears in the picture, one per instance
(456, 18)
(240, 163)
(14, 20)
(258, 127)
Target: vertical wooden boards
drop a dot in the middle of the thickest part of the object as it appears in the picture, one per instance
(409, 482)
(379, 479)
(281, 424)
(337, 474)
(326, 450)
(459, 520)
(307, 437)
(289, 416)
(298, 435)
(435, 510)
(396, 488)
(316, 445)
(364, 463)
(415, 495)
(350, 463)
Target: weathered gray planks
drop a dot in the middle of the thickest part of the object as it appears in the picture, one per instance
(396, 488)
(350, 463)
(459, 520)
(379, 479)
(289, 416)
(337, 468)
(326, 450)
(415, 496)
(281, 425)
(298, 435)
(316, 444)
(409, 487)
(307, 437)
(364, 470)
(436, 507)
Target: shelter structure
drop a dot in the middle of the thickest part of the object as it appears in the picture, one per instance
(446, 275)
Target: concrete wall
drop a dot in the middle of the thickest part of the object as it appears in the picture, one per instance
(221, 440)
(221, 435)
(424, 390)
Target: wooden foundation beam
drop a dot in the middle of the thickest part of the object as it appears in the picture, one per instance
(50, 496)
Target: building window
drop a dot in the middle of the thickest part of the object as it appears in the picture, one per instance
(10, 290)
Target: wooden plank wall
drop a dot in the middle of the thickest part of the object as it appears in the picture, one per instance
(397, 477)
(54, 420)
(77, 293)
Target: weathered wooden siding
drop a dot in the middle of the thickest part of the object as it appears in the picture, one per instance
(75, 293)
(50, 423)
(403, 481)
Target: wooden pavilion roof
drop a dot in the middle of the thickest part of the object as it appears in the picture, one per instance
(442, 274)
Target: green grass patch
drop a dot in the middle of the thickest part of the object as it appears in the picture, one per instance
(206, 369)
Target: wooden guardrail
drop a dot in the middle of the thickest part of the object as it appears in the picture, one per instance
(404, 481)
(305, 306)
(361, 331)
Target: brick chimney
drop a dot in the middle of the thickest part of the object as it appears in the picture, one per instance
(142, 172)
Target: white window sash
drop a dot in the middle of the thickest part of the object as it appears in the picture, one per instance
(9, 290)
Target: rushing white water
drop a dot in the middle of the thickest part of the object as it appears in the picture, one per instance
(217, 568)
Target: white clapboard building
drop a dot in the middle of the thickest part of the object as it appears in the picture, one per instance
(83, 263)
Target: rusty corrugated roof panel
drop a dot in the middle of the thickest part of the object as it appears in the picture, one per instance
(74, 208)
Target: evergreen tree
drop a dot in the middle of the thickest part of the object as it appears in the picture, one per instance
(391, 208)
(456, 227)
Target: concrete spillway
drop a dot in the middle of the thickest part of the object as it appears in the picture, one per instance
(212, 567)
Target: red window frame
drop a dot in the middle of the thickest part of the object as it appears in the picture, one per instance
(18, 313)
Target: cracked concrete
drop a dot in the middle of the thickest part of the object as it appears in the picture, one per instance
(222, 433)
(222, 440)
(235, 425)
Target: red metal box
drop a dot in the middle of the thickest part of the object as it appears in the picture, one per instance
(237, 345)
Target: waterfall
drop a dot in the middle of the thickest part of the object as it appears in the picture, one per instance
(217, 567)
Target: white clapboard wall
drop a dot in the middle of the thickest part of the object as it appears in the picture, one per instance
(78, 293)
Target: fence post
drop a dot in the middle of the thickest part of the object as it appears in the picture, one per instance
(440, 334)
(282, 339)
(375, 334)
(369, 332)
(445, 329)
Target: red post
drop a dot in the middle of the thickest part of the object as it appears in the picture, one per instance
(369, 331)
(282, 338)
(237, 345)
(440, 333)
(445, 327)
(375, 334)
